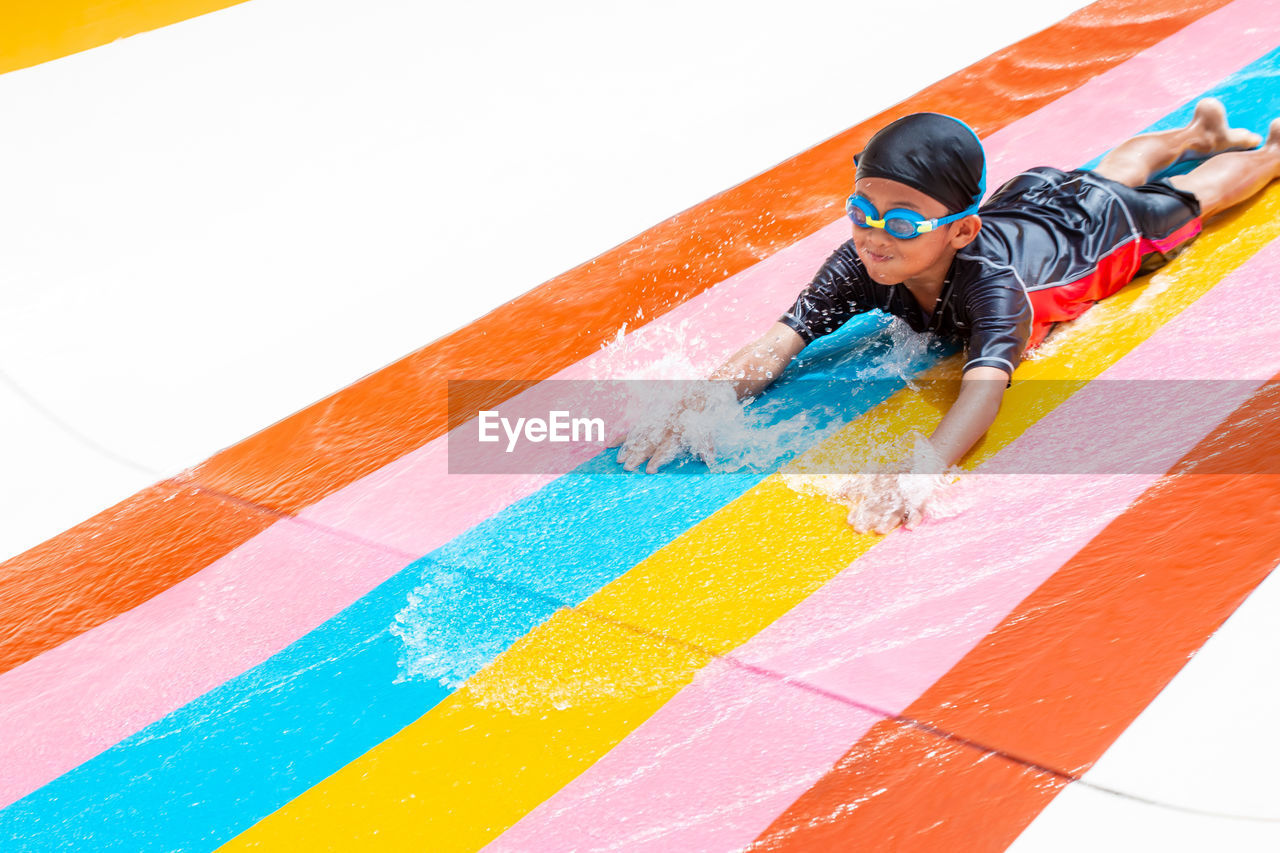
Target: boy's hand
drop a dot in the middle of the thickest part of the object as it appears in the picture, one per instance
(884, 500)
(749, 371)
(883, 506)
(662, 439)
(899, 494)
(658, 446)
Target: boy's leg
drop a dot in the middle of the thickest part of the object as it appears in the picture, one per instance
(1135, 160)
(1229, 179)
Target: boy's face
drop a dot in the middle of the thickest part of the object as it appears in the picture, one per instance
(890, 260)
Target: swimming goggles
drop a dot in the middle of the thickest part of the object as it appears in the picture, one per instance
(899, 222)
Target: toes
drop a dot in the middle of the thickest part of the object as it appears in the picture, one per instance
(1243, 139)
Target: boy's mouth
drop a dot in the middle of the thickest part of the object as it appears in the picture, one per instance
(874, 257)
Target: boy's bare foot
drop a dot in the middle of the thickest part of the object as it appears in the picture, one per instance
(1273, 136)
(1222, 182)
(1272, 147)
(1212, 134)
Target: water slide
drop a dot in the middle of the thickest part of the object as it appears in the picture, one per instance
(328, 635)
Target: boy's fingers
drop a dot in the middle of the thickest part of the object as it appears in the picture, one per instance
(665, 452)
(631, 457)
(709, 454)
(893, 513)
(894, 520)
(635, 451)
(881, 513)
(862, 519)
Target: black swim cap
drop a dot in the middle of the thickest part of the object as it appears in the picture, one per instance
(934, 153)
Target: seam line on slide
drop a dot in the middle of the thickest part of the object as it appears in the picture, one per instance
(763, 672)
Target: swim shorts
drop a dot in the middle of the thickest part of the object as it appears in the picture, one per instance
(1106, 233)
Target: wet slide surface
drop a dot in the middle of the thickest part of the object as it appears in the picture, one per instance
(320, 637)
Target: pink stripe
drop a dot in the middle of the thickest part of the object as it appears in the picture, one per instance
(715, 765)
(281, 600)
(83, 696)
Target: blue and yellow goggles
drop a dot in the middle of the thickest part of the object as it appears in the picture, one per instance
(899, 222)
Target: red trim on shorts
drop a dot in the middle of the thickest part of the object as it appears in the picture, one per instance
(1052, 305)
(1177, 238)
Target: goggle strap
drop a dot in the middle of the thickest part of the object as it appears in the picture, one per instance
(923, 226)
(971, 209)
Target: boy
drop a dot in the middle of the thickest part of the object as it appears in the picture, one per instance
(1041, 250)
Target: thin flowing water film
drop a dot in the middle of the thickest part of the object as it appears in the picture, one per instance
(455, 623)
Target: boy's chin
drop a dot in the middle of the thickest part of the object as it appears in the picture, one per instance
(883, 277)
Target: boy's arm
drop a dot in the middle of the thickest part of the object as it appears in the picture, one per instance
(971, 415)
(883, 504)
(751, 369)
(1001, 318)
(837, 292)
(754, 367)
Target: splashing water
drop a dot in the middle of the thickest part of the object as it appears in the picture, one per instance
(460, 619)
(873, 474)
(454, 624)
(714, 427)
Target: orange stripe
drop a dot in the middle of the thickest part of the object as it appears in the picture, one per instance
(1069, 669)
(113, 562)
(358, 430)
(37, 31)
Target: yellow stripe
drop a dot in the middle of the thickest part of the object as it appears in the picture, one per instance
(573, 688)
(37, 31)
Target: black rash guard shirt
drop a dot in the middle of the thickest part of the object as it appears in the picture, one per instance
(981, 303)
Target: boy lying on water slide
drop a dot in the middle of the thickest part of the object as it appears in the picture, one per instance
(997, 276)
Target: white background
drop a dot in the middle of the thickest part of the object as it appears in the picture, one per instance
(208, 227)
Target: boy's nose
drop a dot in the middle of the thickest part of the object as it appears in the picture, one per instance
(879, 243)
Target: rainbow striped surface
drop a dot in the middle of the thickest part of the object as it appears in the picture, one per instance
(304, 644)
